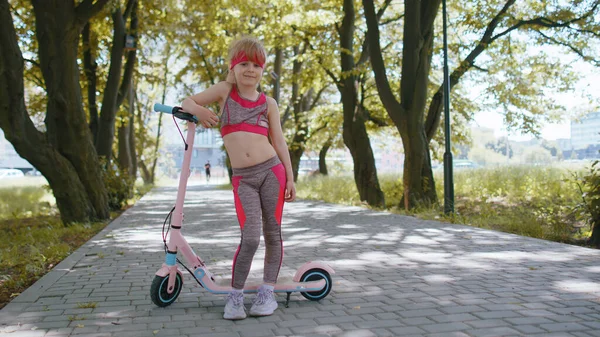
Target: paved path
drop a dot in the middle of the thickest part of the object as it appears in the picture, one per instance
(395, 276)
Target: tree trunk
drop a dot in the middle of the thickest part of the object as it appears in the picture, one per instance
(276, 82)
(132, 144)
(64, 154)
(595, 237)
(298, 143)
(296, 146)
(124, 154)
(65, 118)
(113, 93)
(127, 156)
(123, 157)
(355, 134)
(408, 114)
(90, 66)
(323, 157)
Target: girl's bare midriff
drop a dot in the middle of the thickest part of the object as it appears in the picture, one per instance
(247, 149)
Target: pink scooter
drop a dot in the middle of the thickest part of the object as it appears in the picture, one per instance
(312, 279)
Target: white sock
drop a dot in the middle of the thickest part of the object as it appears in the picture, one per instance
(237, 291)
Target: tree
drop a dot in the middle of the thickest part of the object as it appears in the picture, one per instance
(64, 153)
(117, 84)
(355, 113)
(516, 85)
(407, 114)
(500, 146)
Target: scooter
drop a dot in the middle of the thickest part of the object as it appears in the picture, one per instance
(312, 279)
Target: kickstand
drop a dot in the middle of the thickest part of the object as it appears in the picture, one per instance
(287, 300)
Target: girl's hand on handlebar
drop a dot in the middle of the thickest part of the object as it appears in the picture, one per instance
(206, 118)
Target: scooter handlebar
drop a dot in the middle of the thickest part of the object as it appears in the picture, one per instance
(176, 111)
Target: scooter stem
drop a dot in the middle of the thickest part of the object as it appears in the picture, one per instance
(184, 175)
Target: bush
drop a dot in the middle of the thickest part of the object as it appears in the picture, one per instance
(589, 207)
(118, 183)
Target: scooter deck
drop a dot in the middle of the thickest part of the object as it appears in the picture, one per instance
(284, 284)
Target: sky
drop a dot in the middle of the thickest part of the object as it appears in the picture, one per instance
(589, 83)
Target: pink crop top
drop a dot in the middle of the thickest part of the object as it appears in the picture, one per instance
(240, 114)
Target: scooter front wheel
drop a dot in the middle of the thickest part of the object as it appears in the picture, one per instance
(316, 274)
(158, 290)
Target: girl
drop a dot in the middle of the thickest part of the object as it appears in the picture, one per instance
(262, 170)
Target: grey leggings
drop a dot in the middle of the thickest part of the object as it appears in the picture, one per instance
(258, 194)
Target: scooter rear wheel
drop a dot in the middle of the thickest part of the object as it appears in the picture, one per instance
(158, 290)
(315, 275)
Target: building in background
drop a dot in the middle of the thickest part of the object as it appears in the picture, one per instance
(586, 131)
(208, 146)
(585, 138)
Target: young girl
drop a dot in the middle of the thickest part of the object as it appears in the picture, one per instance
(262, 170)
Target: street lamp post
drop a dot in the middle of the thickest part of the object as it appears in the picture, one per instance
(448, 174)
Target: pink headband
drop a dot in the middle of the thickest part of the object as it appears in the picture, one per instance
(242, 57)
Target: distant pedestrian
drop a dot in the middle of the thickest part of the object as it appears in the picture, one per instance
(207, 170)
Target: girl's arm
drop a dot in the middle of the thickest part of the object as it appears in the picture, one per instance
(281, 147)
(195, 104)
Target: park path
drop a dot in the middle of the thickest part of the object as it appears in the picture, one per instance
(395, 276)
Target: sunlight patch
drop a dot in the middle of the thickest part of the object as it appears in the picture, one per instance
(439, 278)
(578, 286)
(419, 240)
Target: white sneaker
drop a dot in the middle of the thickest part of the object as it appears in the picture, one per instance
(234, 308)
(264, 304)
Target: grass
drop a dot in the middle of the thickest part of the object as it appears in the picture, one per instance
(34, 239)
(32, 246)
(538, 202)
(87, 305)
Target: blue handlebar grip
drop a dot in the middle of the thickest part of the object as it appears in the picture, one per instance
(163, 108)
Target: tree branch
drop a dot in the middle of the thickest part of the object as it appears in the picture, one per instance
(129, 8)
(383, 85)
(32, 62)
(286, 114)
(547, 23)
(37, 80)
(87, 9)
(572, 48)
(327, 71)
(364, 55)
(131, 55)
(316, 100)
(377, 121)
(387, 22)
(432, 119)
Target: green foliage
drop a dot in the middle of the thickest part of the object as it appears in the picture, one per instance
(513, 184)
(393, 188)
(118, 183)
(588, 208)
(21, 202)
(32, 246)
(333, 189)
(531, 201)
